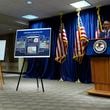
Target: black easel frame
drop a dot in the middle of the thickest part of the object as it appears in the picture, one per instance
(36, 79)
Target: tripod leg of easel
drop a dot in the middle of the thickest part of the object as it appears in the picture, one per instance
(37, 82)
(2, 75)
(20, 75)
(42, 85)
(1, 78)
(18, 82)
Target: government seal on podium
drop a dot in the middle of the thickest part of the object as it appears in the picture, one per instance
(100, 46)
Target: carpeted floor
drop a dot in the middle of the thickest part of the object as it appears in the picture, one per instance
(58, 95)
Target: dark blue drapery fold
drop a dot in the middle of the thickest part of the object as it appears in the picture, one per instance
(70, 70)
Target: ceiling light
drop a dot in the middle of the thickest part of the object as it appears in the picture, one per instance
(30, 17)
(22, 22)
(29, 2)
(80, 4)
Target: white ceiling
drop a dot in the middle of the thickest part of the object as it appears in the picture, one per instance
(12, 10)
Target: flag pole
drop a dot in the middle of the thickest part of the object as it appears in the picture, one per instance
(60, 63)
(61, 47)
(80, 61)
(99, 19)
(61, 14)
(78, 65)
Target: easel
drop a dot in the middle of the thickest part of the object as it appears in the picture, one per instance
(21, 75)
(2, 54)
(1, 77)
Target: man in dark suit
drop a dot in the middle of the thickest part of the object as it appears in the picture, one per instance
(106, 30)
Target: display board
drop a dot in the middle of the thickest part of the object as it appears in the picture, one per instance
(32, 43)
(2, 49)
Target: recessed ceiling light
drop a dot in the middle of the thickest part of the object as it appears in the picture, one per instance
(29, 2)
(80, 4)
(30, 17)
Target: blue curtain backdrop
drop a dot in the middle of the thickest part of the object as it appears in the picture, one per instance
(70, 70)
(104, 11)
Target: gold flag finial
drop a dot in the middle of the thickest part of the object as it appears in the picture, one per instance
(61, 14)
(78, 11)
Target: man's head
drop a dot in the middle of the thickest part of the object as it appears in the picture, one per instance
(106, 25)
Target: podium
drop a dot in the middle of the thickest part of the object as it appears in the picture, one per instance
(99, 52)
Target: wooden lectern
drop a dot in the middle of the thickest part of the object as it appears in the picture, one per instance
(99, 52)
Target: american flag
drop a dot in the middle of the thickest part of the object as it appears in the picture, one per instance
(62, 45)
(97, 32)
(80, 42)
(99, 29)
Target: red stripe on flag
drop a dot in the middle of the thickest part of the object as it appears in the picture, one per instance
(80, 44)
(97, 33)
(62, 44)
